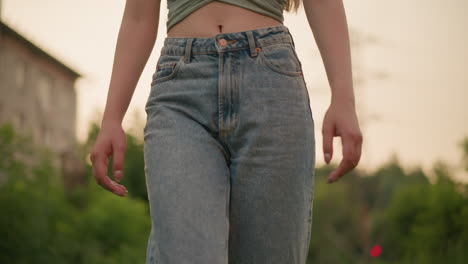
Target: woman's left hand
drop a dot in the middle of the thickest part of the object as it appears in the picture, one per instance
(341, 120)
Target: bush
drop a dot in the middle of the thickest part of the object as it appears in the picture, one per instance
(40, 225)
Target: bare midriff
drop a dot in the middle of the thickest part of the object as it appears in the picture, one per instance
(218, 17)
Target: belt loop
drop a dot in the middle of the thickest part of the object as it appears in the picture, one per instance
(251, 40)
(188, 49)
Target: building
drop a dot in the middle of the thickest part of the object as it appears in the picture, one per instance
(37, 95)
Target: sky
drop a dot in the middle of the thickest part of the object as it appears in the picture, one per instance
(409, 58)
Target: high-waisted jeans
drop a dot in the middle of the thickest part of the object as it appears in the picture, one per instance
(229, 151)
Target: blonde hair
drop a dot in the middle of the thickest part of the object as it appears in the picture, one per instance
(292, 5)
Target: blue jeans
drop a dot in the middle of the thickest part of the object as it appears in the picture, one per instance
(229, 151)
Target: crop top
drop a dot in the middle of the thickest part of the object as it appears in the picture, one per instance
(179, 9)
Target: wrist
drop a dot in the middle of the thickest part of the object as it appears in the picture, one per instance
(343, 99)
(111, 121)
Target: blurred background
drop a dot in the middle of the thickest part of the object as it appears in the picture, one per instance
(408, 196)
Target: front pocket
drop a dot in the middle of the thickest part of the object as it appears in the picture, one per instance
(281, 57)
(166, 68)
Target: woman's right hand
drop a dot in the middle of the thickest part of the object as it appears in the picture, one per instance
(111, 141)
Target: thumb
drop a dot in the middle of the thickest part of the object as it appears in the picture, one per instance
(118, 161)
(327, 135)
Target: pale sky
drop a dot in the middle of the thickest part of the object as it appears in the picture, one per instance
(412, 60)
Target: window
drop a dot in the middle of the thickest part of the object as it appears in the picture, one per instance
(44, 89)
(20, 74)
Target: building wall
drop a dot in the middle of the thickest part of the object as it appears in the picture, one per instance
(37, 96)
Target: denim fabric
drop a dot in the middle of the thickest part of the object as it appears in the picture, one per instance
(229, 151)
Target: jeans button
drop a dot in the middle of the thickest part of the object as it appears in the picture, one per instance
(222, 42)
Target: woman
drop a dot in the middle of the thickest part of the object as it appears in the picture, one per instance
(229, 139)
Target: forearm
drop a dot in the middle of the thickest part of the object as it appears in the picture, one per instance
(136, 39)
(327, 19)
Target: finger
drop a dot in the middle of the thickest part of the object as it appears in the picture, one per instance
(100, 169)
(119, 157)
(328, 133)
(343, 167)
(348, 161)
(359, 140)
(356, 153)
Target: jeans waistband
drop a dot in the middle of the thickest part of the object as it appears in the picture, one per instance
(224, 42)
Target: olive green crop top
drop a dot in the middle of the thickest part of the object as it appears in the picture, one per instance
(179, 9)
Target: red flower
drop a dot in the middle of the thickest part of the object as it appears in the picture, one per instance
(375, 251)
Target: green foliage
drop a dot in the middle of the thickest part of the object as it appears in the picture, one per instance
(427, 224)
(31, 212)
(333, 240)
(413, 219)
(39, 224)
